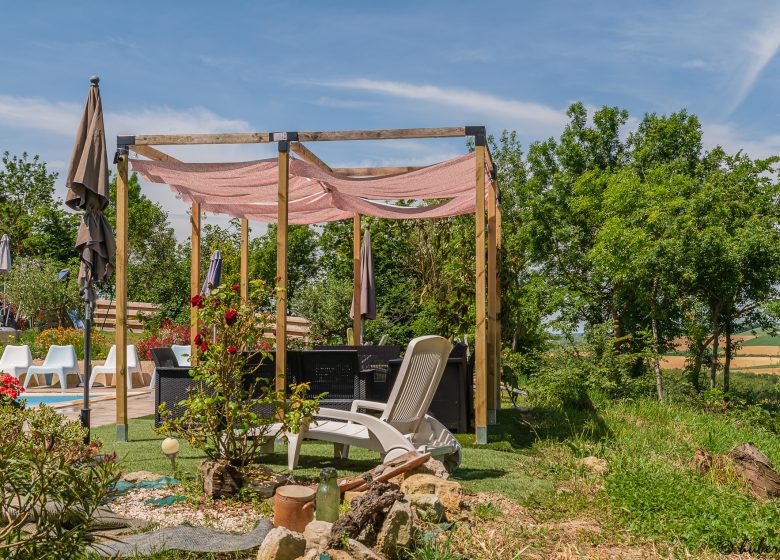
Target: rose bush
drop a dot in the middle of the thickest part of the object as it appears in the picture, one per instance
(165, 335)
(230, 411)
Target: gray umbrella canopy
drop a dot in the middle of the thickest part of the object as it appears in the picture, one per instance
(367, 283)
(87, 184)
(5, 255)
(214, 275)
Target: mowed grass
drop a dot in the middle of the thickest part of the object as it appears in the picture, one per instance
(651, 497)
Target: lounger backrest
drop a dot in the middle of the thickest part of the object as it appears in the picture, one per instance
(19, 356)
(61, 356)
(132, 356)
(417, 381)
(182, 354)
(111, 358)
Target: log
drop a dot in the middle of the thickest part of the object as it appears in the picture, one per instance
(365, 509)
(385, 471)
(220, 479)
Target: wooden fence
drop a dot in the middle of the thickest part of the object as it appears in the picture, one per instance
(105, 318)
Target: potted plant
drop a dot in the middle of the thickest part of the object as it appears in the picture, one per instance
(231, 413)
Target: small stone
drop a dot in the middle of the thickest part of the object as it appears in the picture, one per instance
(359, 551)
(448, 491)
(335, 554)
(594, 464)
(429, 507)
(396, 531)
(317, 534)
(263, 480)
(142, 476)
(432, 466)
(282, 544)
(312, 554)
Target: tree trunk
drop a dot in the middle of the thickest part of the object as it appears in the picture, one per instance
(659, 380)
(727, 361)
(617, 331)
(715, 343)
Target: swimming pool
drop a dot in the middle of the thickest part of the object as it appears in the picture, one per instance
(35, 400)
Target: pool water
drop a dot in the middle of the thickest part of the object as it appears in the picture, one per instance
(35, 400)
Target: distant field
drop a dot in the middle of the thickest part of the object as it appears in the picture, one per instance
(761, 338)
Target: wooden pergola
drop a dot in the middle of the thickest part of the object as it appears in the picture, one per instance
(487, 350)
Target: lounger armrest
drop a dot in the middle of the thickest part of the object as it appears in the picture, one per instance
(370, 405)
(387, 435)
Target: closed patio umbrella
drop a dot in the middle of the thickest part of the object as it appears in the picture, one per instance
(5, 267)
(87, 184)
(214, 275)
(367, 283)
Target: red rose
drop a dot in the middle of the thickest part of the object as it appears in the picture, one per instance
(204, 346)
(198, 338)
(235, 287)
(232, 349)
(197, 300)
(231, 316)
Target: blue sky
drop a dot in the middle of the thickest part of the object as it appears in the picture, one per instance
(172, 67)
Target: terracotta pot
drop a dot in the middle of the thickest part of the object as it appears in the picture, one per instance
(293, 507)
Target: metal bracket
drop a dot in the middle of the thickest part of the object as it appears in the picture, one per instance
(479, 133)
(284, 146)
(283, 136)
(123, 142)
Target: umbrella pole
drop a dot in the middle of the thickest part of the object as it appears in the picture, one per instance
(85, 420)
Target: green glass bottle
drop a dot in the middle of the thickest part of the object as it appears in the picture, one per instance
(328, 496)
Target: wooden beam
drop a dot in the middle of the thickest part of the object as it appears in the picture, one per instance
(499, 263)
(281, 266)
(309, 156)
(480, 345)
(386, 134)
(492, 328)
(375, 171)
(189, 139)
(121, 297)
(194, 277)
(153, 153)
(356, 286)
(244, 260)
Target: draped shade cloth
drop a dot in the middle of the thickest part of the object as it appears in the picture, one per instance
(249, 189)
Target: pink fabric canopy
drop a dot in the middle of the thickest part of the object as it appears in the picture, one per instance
(249, 189)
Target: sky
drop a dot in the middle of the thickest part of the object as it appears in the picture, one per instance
(205, 67)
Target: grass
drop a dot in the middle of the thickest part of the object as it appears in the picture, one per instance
(650, 502)
(762, 338)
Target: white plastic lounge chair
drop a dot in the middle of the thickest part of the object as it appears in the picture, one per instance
(109, 368)
(403, 425)
(60, 360)
(182, 354)
(16, 360)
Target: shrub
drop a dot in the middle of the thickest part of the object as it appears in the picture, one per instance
(166, 334)
(33, 284)
(48, 478)
(69, 336)
(226, 413)
(326, 304)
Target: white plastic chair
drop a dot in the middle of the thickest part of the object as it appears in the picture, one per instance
(109, 368)
(60, 361)
(16, 360)
(403, 425)
(182, 354)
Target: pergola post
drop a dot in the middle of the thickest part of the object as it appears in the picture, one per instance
(194, 277)
(492, 325)
(357, 319)
(121, 297)
(281, 265)
(499, 262)
(480, 335)
(244, 283)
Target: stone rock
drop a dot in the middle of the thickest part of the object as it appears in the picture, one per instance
(448, 491)
(264, 480)
(396, 531)
(311, 554)
(429, 507)
(141, 476)
(317, 534)
(594, 464)
(220, 479)
(282, 544)
(335, 554)
(359, 551)
(367, 535)
(432, 466)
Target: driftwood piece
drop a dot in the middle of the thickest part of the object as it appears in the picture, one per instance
(385, 471)
(220, 479)
(379, 497)
(747, 462)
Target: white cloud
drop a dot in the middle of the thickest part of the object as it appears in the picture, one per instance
(762, 44)
(732, 139)
(694, 64)
(527, 115)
